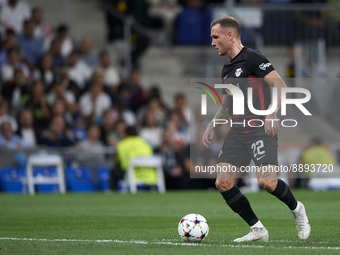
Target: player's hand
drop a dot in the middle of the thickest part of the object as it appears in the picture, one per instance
(271, 125)
(208, 136)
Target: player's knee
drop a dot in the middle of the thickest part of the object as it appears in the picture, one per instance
(268, 184)
(224, 184)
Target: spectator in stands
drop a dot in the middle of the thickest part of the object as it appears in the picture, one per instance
(180, 134)
(314, 154)
(168, 10)
(55, 51)
(87, 54)
(140, 42)
(14, 88)
(93, 148)
(78, 129)
(305, 70)
(197, 155)
(59, 109)
(183, 114)
(6, 117)
(78, 71)
(9, 43)
(154, 91)
(182, 109)
(31, 46)
(42, 28)
(26, 129)
(290, 68)
(130, 147)
(174, 173)
(153, 105)
(124, 113)
(59, 91)
(92, 138)
(2, 27)
(10, 140)
(44, 70)
(67, 46)
(117, 134)
(55, 134)
(14, 62)
(36, 102)
(142, 15)
(310, 24)
(150, 131)
(132, 91)
(111, 73)
(14, 13)
(61, 73)
(98, 76)
(108, 126)
(93, 103)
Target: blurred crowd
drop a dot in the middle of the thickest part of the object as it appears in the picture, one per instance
(57, 92)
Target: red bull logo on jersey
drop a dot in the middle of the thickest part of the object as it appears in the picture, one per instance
(238, 72)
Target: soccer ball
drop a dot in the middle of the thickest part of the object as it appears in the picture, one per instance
(193, 228)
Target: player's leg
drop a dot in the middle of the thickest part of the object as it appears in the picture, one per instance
(264, 154)
(267, 179)
(232, 155)
(235, 199)
(239, 203)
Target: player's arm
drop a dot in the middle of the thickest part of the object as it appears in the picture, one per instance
(273, 79)
(222, 113)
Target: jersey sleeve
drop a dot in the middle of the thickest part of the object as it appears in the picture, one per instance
(258, 64)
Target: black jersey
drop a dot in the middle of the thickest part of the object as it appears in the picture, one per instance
(245, 70)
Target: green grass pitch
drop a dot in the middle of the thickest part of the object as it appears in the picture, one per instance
(146, 223)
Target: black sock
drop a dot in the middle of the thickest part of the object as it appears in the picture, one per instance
(240, 204)
(283, 192)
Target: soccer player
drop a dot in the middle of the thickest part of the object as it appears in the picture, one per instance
(249, 68)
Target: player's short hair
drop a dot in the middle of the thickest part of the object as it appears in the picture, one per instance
(228, 22)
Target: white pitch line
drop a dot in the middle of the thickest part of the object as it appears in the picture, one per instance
(270, 241)
(166, 243)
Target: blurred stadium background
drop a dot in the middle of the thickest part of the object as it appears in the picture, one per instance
(133, 59)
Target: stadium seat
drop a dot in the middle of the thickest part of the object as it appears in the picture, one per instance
(147, 161)
(13, 180)
(79, 180)
(40, 174)
(193, 26)
(248, 36)
(104, 178)
(52, 173)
